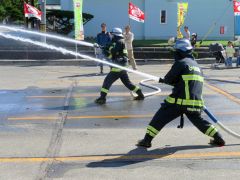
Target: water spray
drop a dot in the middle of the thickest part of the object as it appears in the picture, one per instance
(150, 77)
(65, 51)
(48, 35)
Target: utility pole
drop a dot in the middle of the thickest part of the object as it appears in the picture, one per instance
(32, 20)
(43, 20)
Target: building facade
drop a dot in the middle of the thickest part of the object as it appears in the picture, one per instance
(52, 4)
(212, 20)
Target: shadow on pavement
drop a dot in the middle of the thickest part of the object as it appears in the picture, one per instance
(140, 154)
(134, 156)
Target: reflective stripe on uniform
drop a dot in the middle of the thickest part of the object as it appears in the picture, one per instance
(104, 90)
(170, 100)
(152, 131)
(136, 89)
(187, 90)
(211, 131)
(192, 102)
(186, 102)
(214, 131)
(192, 77)
(116, 70)
(110, 48)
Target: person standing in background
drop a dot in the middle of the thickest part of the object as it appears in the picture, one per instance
(187, 33)
(128, 38)
(238, 57)
(103, 39)
(230, 51)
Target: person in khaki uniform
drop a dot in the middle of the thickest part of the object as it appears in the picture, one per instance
(128, 38)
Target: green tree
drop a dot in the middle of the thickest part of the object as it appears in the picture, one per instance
(12, 10)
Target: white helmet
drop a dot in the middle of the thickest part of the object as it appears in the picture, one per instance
(117, 32)
(183, 45)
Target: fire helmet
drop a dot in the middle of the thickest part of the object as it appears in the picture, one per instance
(117, 32)
(183, 45)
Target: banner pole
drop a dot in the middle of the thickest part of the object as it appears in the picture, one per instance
(129, 21)
(144, 25)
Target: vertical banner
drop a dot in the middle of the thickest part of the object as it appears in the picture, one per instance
(182, 11)
(236, 9)
(78, 19)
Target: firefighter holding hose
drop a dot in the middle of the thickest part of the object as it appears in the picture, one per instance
(186, 98)
(117, 52)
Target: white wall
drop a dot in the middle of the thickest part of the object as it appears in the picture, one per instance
(202, 15)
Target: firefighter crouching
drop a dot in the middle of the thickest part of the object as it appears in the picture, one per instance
(117, 52)
(186, 98)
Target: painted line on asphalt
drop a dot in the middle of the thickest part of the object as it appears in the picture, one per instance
(113, 94)
(226, 94)
(121, 157)
(33, 118)
(81, 117)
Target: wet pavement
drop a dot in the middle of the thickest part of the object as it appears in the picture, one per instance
(51, 127)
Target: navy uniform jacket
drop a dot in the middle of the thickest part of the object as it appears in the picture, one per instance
(187, 79)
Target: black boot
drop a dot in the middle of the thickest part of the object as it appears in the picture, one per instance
(140, 95)
(146, 142)
(217, 141)
(100, 100)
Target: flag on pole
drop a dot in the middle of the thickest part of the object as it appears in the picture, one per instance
(30, 11)
(135, 13)
(78, 19)
(236, 7)
(182, 11)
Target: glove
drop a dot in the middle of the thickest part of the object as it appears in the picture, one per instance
(161, 80)
(95, 45)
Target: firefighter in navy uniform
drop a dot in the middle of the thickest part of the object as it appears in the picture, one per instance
(186, 98)
(117, 52)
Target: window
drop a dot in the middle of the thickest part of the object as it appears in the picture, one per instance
(163, 17)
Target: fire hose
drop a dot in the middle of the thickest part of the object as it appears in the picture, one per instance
(209, 114)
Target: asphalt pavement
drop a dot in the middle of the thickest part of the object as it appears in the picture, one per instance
(50, 127)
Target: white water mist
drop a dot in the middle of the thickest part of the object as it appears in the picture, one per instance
(65, 51)
(48, 35)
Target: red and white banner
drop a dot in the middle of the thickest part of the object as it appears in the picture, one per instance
(30, 11)
(236, 7)
(135, 13)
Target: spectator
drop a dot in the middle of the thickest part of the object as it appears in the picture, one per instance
(128, 38)
(187, 33)
(194, 39)
(238, 57)
(103, 38)
(230, 51)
